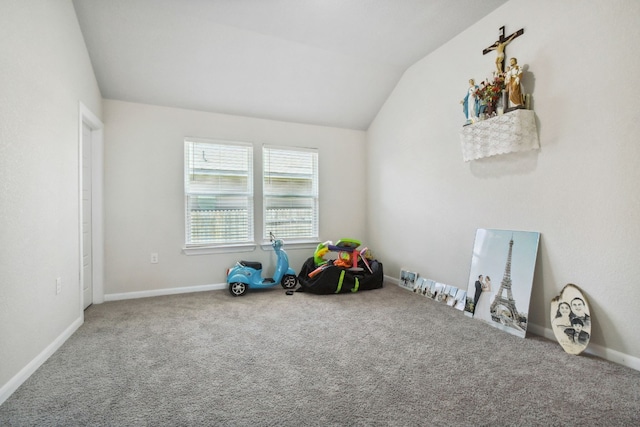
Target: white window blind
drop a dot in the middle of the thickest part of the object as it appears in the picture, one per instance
(290, 191)
(218, 192)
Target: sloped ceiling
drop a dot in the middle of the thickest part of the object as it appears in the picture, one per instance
(324, 62)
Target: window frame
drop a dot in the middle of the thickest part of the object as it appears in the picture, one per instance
(314, 193)
(191, 247)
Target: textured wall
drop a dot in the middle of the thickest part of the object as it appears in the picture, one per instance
(579, 190)
(144, 191)
(45, 72)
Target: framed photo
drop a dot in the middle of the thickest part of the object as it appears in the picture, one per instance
(429, 288)
(451, 297)
(408, 279)
(421, 284)
(443, 295)
(438, 289)
(461, 298)
(506, 254)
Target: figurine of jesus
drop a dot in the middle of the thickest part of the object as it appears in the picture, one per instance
(499, 46)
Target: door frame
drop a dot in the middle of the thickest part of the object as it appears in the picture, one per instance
(97, 216)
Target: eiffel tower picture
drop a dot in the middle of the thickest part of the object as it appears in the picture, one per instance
(503, 308)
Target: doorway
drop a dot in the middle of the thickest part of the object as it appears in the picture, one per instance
(91, 205)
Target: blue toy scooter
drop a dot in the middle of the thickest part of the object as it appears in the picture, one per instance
(248, 274)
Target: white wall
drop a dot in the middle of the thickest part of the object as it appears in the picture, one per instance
(144, 192)
(45, 71)
(579, 190)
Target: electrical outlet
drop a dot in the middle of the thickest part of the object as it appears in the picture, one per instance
(58, 285)
(154, 258)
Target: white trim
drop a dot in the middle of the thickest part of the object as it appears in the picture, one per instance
(97, 190)
(225, 249)
(12, 385)
(250, 247)
(266, 246)
(593, 349)
(161, 292)
(393, 280)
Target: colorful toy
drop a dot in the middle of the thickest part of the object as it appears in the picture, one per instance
(321, 251)
(248, 274)
(348, 255)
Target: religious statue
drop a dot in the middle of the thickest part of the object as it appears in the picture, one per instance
(470, 105)
(500, 45)
(513, 83)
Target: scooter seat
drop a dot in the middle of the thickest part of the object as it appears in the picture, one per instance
(252, 264)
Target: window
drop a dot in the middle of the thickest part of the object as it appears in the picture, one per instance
(218, 192)
(290, 186)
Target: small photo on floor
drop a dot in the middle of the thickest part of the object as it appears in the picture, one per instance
(408, 279)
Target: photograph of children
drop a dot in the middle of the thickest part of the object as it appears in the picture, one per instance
(501, 278)
(571, 319)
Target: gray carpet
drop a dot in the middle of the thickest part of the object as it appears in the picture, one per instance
(385, 357)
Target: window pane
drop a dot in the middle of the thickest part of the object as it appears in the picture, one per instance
(290, 186)
(218, 192)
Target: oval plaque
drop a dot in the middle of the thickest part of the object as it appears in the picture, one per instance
(571, 319)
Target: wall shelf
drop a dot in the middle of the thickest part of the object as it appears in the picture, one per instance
(508, 133)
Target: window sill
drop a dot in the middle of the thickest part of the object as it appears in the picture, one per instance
(247, 247)
(207, 250)
(293, 244)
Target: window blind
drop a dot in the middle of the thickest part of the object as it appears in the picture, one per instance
(218, 192)
(290, 193)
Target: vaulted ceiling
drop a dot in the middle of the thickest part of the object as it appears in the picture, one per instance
(324, 62)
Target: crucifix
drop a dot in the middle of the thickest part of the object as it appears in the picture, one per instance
(500, 45)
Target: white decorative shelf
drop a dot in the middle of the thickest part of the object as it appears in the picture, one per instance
(508, 133)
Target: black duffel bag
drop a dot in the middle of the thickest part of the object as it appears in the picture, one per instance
(336, 280)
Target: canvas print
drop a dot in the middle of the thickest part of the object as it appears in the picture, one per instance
(461, 298)
(420, 286)
(438, 288)
(443, 295)
(501, 278)
(430, 290)
(571, 319)
(408, 279)
(451, 297)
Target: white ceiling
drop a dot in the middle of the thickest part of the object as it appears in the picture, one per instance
(325, 62)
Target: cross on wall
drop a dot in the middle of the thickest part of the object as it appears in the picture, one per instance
(500, 45)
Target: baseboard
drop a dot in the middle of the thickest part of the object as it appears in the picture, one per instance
(393, 280)
(12, 385)
(161, 292)
(593, 349)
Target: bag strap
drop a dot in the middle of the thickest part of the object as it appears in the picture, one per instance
(339, 288)
(355, 288)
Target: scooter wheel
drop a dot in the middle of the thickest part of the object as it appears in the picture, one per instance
(238, 289)
(289, 281)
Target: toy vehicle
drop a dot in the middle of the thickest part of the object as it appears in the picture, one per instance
(248, 274)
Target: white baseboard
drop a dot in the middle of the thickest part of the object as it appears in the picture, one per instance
(593, 349)
(161, 292)
(12, 385)
(393, 280)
